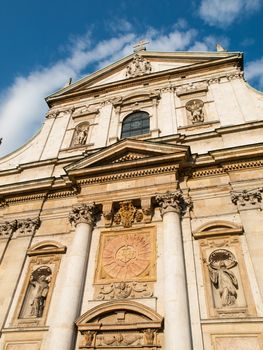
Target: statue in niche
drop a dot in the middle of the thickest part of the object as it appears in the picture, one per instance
(221, 261)
(81, 134)
(195, 107)
(37, 292)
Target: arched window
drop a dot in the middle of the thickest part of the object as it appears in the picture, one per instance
(137, 123)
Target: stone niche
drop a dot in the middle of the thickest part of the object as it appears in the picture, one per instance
(125, 325)
(228, 292)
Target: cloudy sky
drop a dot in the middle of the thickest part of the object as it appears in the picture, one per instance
(44, 43)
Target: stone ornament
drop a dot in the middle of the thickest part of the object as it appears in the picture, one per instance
(127, 214)
(83, 213)
(195, 109)
(125, 257)
(120, 340)
(220, 263)
(124, 290)
(36, 294)
(247, 197)
(139, 66)
(81, 134)
(191, 88)
(7, 228)
(27, 226)
(149, 335)
(87, 338)
(3, 203)
(173, 202)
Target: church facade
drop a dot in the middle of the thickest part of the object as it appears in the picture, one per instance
(133, 219)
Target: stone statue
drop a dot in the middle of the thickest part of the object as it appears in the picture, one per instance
(39, 294)
(81, 134)
(220, 263)
(195, 107)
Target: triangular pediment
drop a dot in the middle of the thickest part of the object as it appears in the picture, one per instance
(129, 153)
(149, 63)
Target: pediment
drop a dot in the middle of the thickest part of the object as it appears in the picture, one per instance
(129, 153)
(151, 63)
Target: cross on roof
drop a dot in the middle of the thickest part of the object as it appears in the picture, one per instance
(141, 45)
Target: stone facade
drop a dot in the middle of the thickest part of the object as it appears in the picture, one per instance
(149, 242)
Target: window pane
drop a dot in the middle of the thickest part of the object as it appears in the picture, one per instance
(137, 123)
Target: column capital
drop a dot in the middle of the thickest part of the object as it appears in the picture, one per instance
(7, 228)
(173, 202)
(27, 226)
(82, 213)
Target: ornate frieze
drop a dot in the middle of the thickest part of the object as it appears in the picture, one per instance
(124, 290)
(7, 228)
(138, 66)
(27, 226)
(173, 201)
(245, 197)
(83, 213)
(191, 88)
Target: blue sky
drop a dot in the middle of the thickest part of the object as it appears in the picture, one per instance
(44, 43)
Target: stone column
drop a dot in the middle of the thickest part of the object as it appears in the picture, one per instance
(62, 330)
(177, 333)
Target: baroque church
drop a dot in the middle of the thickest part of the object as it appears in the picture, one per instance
(133, 219)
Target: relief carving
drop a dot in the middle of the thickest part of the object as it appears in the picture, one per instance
(220, 263)
(120, 339)
(124, 290)
(81, 134)
(196, 111)
(149, 335)
(7, 228)
(126, 257)
(87, 338)
(139, 66)
(36, 294)
(83, 213)
(27, 226)
(127, 214)
(247, 197)
(173, 201)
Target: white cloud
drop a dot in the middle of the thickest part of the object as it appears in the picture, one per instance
(22, 104)
(222, 13)
(254, 72)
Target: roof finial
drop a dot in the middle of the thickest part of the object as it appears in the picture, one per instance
(140, 45)
(219, 48)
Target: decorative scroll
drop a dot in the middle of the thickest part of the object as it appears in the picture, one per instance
(124, 290)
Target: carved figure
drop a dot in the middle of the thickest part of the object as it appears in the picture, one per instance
(149, 336)
(40, 284)
(195, 107)
(220, 263)
(138, 66)
(127, 214)
(123, 290)
(87, 338)
(81, 134)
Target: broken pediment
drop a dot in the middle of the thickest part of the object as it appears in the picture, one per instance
(129, 153)
(120, 324)
(140, 64)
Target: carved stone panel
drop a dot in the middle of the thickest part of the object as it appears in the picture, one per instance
(237, 343)
(125, 325)
(139, 66)
(123, 290)
(126, 256)
(195, 109)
